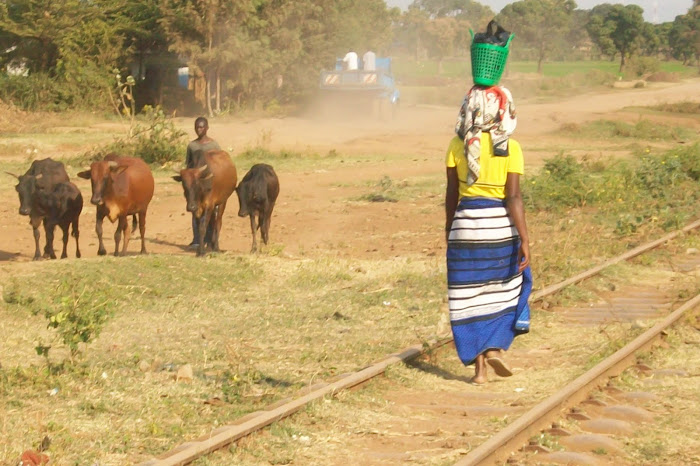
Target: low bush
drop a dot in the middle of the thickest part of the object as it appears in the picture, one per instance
(156, 140)
(656, 187)
(638, 67)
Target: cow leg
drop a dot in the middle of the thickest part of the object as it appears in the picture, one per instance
(203, 221)
(142, 230)
(127, 235)
(76, 235)
(65, 227)
(266, 217)
(101, 251)
(211, 226)
(253, 228)
(49, 228)
(122, 228)
(35, 222)
(217, 226)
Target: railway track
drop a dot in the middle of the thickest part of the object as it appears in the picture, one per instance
(573, 401)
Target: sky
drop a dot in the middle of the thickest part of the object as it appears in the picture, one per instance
(655, 11)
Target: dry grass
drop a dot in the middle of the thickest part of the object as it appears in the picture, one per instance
(249, 343)
(672, 438)
(340, 430)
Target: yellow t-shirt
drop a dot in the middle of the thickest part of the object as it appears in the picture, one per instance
(493, 170)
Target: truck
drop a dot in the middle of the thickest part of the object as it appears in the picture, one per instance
(361, 91)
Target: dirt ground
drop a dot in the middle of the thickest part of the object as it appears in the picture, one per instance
(313, 211)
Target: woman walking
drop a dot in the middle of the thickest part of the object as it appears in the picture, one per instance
(488, 256)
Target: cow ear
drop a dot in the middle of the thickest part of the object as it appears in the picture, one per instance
(177, 178)
(85, 174)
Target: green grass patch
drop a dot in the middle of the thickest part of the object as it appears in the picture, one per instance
(644, 130)
(692, 108)
(387, 189)
(407, 68)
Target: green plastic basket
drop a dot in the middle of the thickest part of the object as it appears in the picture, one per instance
(488, 61)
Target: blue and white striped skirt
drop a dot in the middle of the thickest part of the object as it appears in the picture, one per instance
(487, 295)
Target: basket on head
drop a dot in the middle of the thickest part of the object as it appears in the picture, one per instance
(488, 61)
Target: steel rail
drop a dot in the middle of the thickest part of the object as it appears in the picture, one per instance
(532, 422)
(538, 295)
(223, 436)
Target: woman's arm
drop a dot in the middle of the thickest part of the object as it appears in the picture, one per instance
(514, 204)
(451, 198)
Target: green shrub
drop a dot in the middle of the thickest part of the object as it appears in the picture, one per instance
(78, 313)
(638, 66)
(36, 91)
(157, 140)
(657, 188)
(689, 158)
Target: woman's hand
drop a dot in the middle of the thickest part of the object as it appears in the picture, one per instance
(523, 256)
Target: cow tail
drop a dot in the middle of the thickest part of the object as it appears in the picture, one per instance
(134, 223)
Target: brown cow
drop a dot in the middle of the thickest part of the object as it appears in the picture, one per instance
(34, 187)
(207, 188)
(121, 186)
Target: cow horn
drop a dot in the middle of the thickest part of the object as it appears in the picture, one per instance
(202, 168)
(13, 175)
(39, 176)
(112, 164)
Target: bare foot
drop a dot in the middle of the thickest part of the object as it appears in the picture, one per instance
(477, 381)
(479, 371)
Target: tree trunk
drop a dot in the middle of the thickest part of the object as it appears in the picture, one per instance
(218, 92)
(540, 58)
(417, 47)
(207, 85)
(622, 61)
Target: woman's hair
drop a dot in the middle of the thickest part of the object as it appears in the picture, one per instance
(201, 120)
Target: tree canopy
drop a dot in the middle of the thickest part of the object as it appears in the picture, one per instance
(540, 24)
(617, 28)
(62, 53)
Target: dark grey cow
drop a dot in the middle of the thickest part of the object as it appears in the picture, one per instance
(63, 207)
(257, 193)
(36, 196)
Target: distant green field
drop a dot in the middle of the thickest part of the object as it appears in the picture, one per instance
(408, 68)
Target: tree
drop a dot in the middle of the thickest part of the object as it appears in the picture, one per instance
(617, 26)
(410, 29)
(684, 37)
(662, 33)
(37, 28)
(577, 36)
(210, 34)
(540, 24)
(440, 36)
(69, 44)
(476, 13)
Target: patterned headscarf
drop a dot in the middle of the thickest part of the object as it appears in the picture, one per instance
(488, 109)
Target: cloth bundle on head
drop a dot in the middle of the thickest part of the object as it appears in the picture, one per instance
(488, 109)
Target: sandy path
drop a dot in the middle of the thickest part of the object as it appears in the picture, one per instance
(314, 212)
